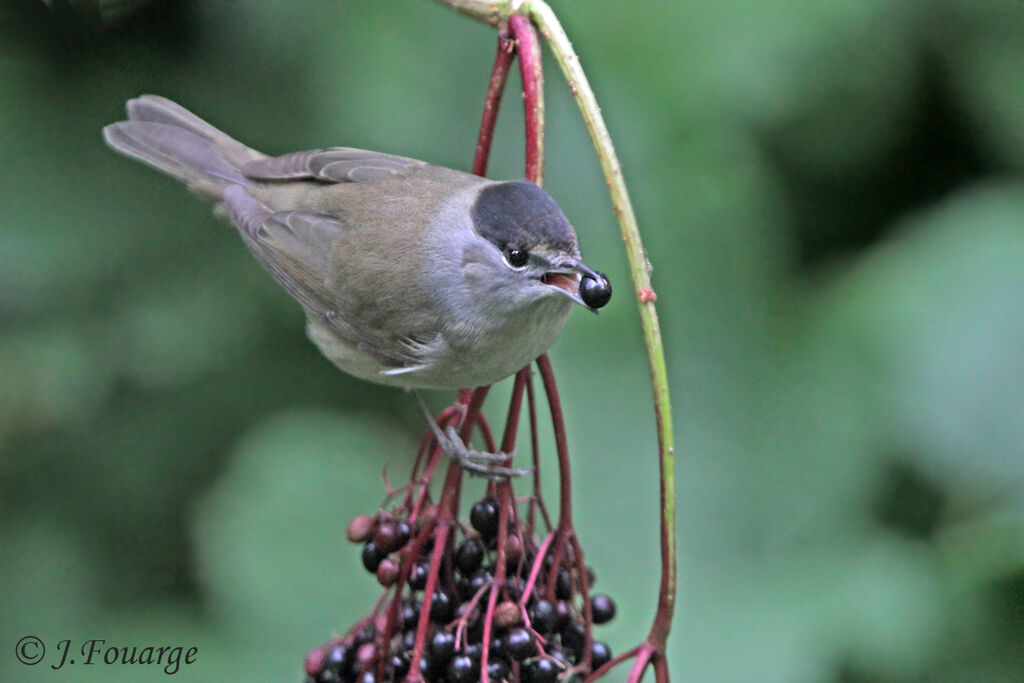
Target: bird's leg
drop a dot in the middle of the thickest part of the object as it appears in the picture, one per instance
(475, 462)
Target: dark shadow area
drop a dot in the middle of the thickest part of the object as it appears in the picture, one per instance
(908, 502)
(835, 216)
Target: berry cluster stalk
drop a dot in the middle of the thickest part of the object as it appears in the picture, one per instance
(509, 12)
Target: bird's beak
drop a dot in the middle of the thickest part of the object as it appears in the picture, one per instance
(565, 279)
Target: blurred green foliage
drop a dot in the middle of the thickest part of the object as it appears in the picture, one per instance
(832, 196)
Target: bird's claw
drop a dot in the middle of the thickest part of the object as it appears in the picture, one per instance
(479, 463)
(456, 444)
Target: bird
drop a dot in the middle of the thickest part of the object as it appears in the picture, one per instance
(410, 274)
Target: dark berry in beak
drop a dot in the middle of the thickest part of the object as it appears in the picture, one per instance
(596, 293)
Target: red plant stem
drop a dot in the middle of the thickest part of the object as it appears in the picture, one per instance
(531, 68)
(508, 441)
(499, 576)
(412, 552)
(536, 501)
(446, 416)
(485, 430)
(531, 407)
(446, 514)
(558, 549)
(505, 500)
(495, 88)
(588, 612)
(561, 443)
(660, 668)
(644, 656)
(440, 540)
(611, 664)
(538, 562)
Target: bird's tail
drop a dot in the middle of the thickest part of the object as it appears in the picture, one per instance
(172, 139)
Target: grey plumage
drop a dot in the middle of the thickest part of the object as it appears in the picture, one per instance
(398, 282)
(335, 164)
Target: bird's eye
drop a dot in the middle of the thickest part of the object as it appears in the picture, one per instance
(517, 258)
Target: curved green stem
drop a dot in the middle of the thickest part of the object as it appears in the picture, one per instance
(561, 47)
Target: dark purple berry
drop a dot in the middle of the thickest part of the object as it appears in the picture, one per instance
(404, 531)
(410, 613)
(386, 536)
(442, 607)
(543, 617)
(526, 565)
(591, 577)
(476, 651)
(563, 613)
(600, 654)
(418, 576)
(595, 293)
(513, 586)
(543, 670)
(469, 556)
(426, 668)
(399, 666)
(442, 646)
(409, 640)
(499, 646)
(563, 584)
(497, 669)
(363, 635)
(367, 677)
(520, 644)
(462, 588)
(480, 578)
(558, 654)
(573, 635)
(484, 517)
(390, 535)
(372, 556)
(339, 660)
(602, 608)
(462, 670)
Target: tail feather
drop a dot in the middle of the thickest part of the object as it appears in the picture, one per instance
(171, 139)
(162, 110)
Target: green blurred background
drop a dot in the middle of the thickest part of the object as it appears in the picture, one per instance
(832, 198)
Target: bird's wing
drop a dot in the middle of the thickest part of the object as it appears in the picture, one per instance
(292, 245)
(295, 247)
(334, 164)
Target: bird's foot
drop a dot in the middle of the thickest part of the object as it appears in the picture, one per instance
(479, 463)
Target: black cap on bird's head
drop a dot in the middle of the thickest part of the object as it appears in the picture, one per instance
(534, 236)
(520, 215)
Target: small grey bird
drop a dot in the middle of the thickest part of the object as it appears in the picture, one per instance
(410, 274)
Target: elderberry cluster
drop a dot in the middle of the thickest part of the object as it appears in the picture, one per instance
(541, 639)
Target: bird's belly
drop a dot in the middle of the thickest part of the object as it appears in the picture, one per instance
(494, 354)
(497, 353)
